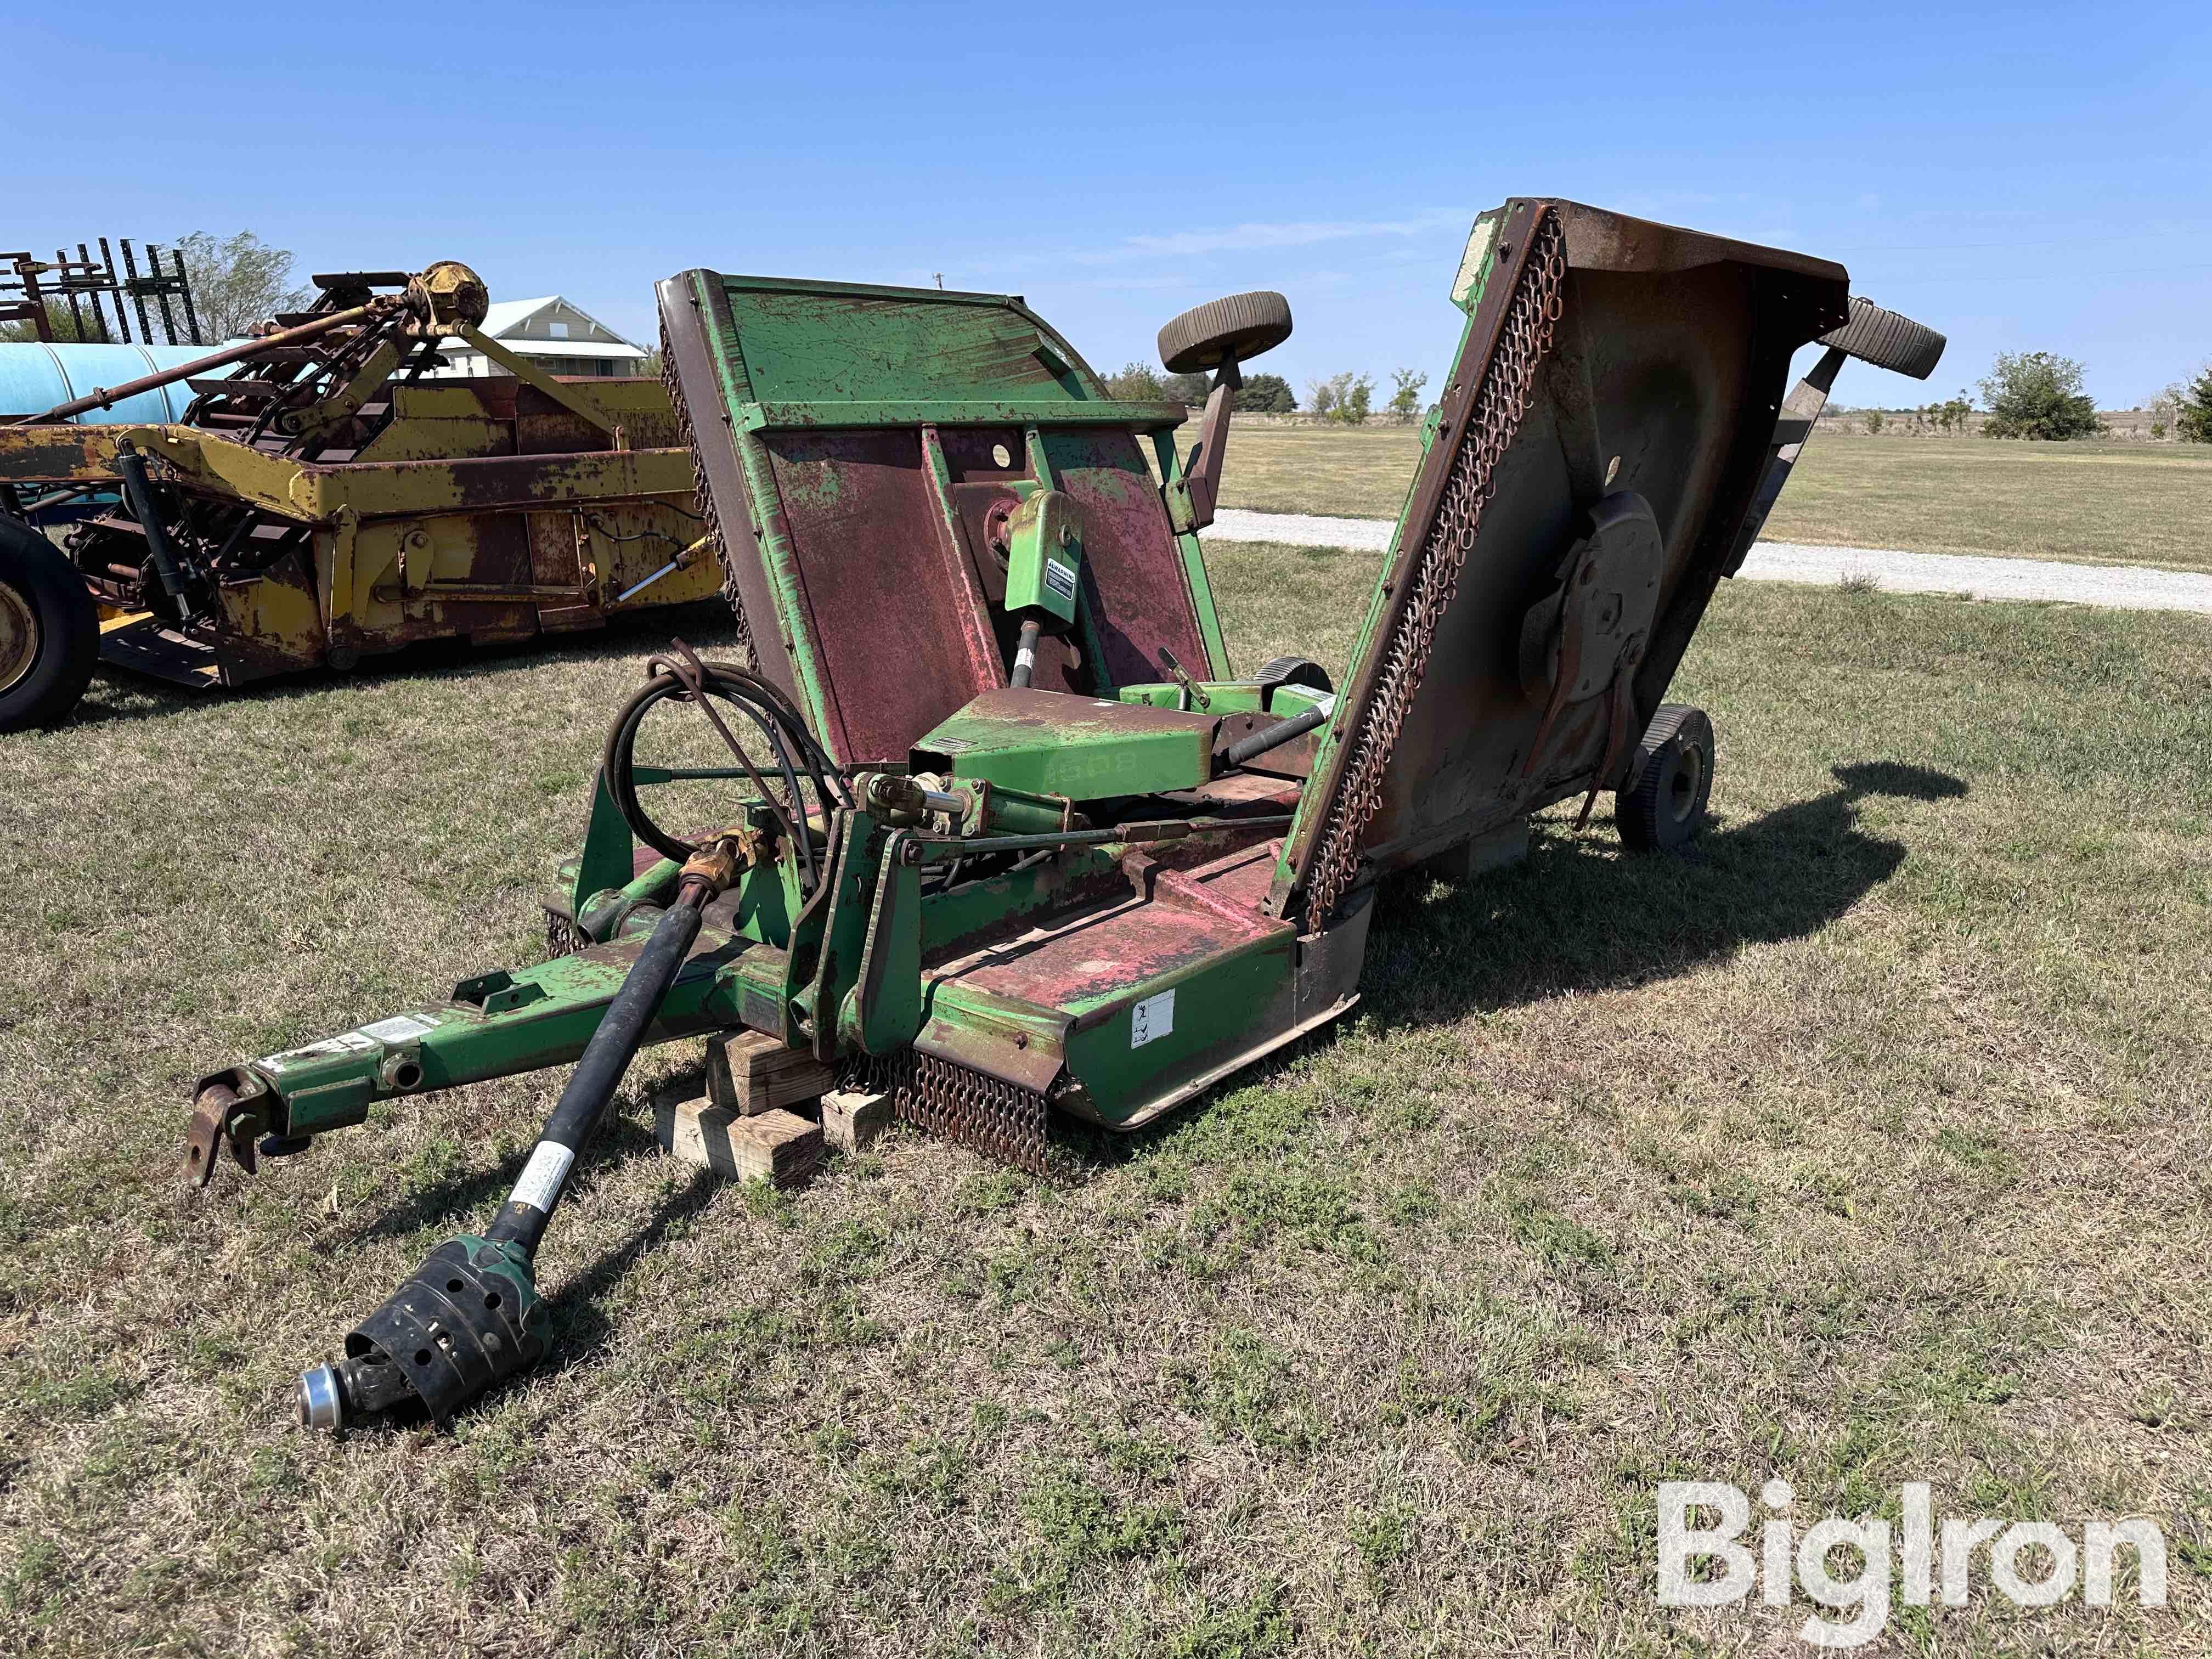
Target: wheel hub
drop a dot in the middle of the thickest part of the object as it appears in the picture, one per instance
(19, 638)
(1682, 787)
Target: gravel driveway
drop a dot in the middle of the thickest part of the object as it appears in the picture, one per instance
(2130, 588)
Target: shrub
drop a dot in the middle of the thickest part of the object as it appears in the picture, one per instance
(2037, 394)
(1137, 384)
(1873, 422)
(1406, 395)
(2192, 419)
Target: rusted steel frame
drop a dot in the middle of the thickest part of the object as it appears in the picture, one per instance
(951, 541)
(526, 371)
(105, 396)
(732, 467)
(316, 492)
(1339, 743)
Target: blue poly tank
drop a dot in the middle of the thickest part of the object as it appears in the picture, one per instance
(34, 377)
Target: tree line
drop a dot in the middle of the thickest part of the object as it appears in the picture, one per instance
(2038, 395)
(1347, 398)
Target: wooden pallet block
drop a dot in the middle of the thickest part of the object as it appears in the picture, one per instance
(748, 1074)
(851, 1121)
(777, 1146)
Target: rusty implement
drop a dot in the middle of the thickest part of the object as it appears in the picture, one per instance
(1002, 838)
(322, 501)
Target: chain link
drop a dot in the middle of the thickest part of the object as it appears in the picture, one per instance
(987, 1114)
(706, 503)
(1493, 419)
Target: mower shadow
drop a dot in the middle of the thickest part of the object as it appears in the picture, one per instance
(1581, 916)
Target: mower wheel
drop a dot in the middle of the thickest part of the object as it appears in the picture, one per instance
(1224, 331)
(1665, 806)
(1889, 341)
(49, 630)
(1290, 671)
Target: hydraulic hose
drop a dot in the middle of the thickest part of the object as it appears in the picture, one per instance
(1025, 653)
(131, 469)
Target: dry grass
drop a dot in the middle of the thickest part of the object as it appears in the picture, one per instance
(1868, 1143)
(2094, 503)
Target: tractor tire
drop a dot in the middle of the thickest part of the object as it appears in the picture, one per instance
(1665, 806)
(1240, 326)
(49, 630)
(1889, 341)
(1290, 671)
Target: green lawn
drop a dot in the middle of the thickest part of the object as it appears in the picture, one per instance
(1867, 1143)
(2094, 503)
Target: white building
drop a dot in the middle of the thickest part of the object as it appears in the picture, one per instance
(561, 338)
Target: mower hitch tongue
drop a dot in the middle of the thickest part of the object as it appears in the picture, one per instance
(1002, 835)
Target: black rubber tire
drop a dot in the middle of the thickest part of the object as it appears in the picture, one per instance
(45, 592)
(1240, 326)
(1665, 807)
(1290, 671)
(1889, 341)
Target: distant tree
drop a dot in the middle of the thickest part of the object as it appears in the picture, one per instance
(1873, 422)
(1347, 397)
(1951, 413)
(2192, 419)
(1190, 389)
(1267, 394)
(2037, 394)
(1138, 383)
(1406, 394)
(2157, 430)
(237, 281)
(58, 320)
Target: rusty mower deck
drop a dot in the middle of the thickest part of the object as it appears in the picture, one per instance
(1004, 836)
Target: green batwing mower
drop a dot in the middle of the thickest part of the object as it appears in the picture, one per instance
(1001, 834)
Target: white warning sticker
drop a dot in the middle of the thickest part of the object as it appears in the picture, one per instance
(542, 1177)
(1059, 578)
(400, 1028)
(1151, 1018)
(344, 1043)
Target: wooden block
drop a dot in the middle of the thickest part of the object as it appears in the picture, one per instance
(777, 1146)
(851, 1121)
(748, 1074)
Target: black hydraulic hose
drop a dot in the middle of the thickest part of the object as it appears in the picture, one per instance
(1273, 736)
(130, 468)
(1025, 653)
(621, 1030)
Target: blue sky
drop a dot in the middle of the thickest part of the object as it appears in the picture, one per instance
(2019, 177)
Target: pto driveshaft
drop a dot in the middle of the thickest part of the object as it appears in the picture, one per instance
(471, 1316)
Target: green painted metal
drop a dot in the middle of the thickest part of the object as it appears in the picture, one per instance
(332, 1083)
(1049, 743)
(1044, 556)
(956, 411)
(884, 1010)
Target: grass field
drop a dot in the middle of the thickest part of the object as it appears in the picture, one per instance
(1868, 1143)
(2095, 503)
